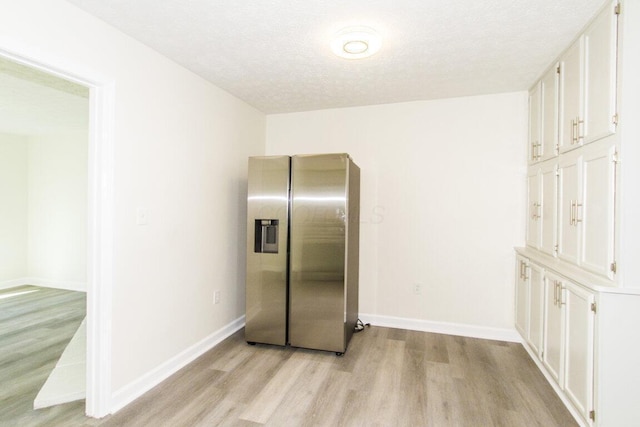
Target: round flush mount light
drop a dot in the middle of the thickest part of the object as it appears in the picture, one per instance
(356, 43)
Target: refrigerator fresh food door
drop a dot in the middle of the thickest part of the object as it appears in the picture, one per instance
(317, 309)
(267, 219)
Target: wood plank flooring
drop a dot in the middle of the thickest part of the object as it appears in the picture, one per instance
(35, 328)
(387, 377)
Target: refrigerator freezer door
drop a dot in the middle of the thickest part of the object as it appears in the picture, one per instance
(266, 282)
(317, 310)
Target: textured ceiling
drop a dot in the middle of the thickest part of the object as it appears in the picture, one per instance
(33, 102)
(275, 55)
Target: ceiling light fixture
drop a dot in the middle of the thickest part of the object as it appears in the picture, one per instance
(356, 43)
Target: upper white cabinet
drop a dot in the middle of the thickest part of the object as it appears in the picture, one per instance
(588, 70)
(586, 201)
(534, 198)
(571, 96)
(599, 165)
(600, 46)
(535, 122)
(549, 90)
(548, 177)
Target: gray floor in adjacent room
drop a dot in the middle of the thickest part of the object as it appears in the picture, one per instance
(388, 377)
(35, 327)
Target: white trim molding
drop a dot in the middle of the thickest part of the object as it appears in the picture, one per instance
(472, 331)
(146, 382)
(7, 284)
(100, 208)
(51, 283)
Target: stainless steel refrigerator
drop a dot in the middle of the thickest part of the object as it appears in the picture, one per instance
(302, 251)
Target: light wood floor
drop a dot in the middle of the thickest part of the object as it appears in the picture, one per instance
(388, 377)
(35, 328)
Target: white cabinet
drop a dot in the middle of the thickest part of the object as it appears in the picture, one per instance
(569, 183)
(596, 375)
(522, 296)
(543, 117)
(549, 114)
(536, 308)
(553, 348)
(530, 302)
(587, 101)
(568, 351)
(548, 176)
(571, 96)
(534, 223)
(543, 199)
(534, 123)
(599, 165)
(586, 200)
(579, 306)
(600, 46)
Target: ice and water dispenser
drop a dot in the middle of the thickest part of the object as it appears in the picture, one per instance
(266, 232)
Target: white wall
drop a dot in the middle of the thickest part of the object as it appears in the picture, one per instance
(13, 209)
(181, 148)
(443, 197)
(57, 213)
(629, 129)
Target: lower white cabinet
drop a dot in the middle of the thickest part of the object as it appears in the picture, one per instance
(553, 349)
(522, 296)
(556, 318)
(579, 312)
(536, 308)
(583, 337)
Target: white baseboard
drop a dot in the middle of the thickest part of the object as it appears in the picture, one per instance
(45, 283)
(58, 284)
(137, 388)
(13, 283)
(460, 329)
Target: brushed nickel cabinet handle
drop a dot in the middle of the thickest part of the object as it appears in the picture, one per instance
(579, 129)
(578, 218)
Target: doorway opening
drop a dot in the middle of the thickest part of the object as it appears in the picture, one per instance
(67, 245)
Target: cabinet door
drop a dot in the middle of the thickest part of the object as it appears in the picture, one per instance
(534, 124)
(569, 182)
(571, 97)
(596, 211)
(522, 296)
(535, 206)
(549, 113)
(536, 307)
(579, 349)
(552, 355)
(549, 212)
(600, 42)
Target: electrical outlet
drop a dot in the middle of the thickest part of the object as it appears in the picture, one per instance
(417, 289)
(216, 297)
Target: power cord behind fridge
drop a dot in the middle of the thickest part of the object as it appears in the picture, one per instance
(360, 326)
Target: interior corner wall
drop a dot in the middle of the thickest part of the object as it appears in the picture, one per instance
(13, 210)
(57, 210)
(443, 198)
(180, 157)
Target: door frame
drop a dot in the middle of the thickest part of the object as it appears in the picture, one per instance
(100, 212)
